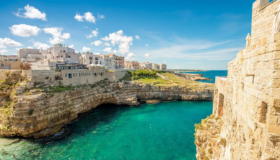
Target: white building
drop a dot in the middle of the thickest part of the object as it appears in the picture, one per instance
(61, 52)
(92, 60)
(162, 66)
(108, 61)
(155, 66)
(55, 57)
(23, 53)
(9, 58)
(146, 65)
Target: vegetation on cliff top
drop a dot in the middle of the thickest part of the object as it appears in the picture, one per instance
(150, 77)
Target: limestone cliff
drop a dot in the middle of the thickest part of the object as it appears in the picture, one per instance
(38, 111)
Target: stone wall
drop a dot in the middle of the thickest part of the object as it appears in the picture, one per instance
(40, 113)
(246, 115)
(262, 19)
(116, 75)
(73, 77)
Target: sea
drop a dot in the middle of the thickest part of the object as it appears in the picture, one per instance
(163, 131)
(210, 74)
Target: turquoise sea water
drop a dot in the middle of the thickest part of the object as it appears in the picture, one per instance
(149, 132)
(211, 74)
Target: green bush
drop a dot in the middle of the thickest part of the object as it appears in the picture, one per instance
(143, 73)
(30, 112)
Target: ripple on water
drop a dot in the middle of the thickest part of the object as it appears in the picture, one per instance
(161, 131)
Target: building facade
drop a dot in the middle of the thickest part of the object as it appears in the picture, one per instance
(132, 65)
(162, 66)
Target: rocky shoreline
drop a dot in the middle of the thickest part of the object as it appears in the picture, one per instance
(42, 112)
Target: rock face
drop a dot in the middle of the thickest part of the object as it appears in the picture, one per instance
(42, 113)
(246, 115)
(192, 77)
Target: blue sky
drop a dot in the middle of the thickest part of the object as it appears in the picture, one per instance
(186, 34)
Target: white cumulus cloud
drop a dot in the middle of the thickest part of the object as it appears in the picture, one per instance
(137, 37)
(79, 18)
(123, 41)
(71, 46)
(4, 42)
(85, 49)
(147, 55)
(40, 45)
(107, 49)
(58, 36)
(31, 12)
(107, 44)
(94, 33)
(130, 57)
(4, 51)
(87, 16)
(146, 45)
(24, 30)
(96, 43)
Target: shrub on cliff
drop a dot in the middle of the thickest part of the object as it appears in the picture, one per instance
(143, 73)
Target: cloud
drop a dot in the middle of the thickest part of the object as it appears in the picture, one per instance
(123, 41)
(107, 49)
(4, 51)
(107, 44)
(130, 57)
(146, 45)
(147, 55)
(94, 33)
(78, 17)
(87, 16)
(29, 47)
(194, 49)
(96, 43)
(137, 37)
(31, 12)
(100, 16)
(8, 42)
(56, 32)
(24, 30)
(97, 53)
(71, 46)
(40, 45)
(85, 49)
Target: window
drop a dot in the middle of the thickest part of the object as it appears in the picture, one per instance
(95, 74)
(65, 74)
(70, 75)
(101, 74)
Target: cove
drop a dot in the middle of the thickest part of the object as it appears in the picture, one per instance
(162, 131)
